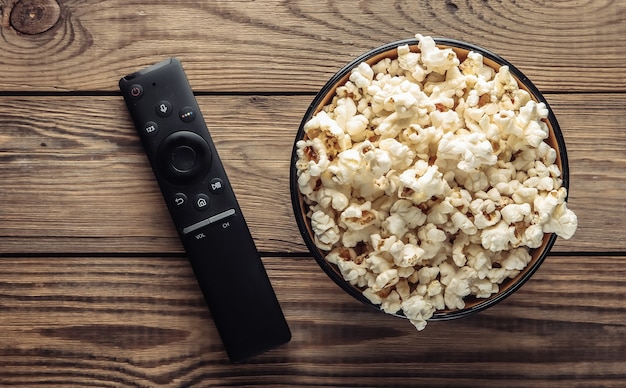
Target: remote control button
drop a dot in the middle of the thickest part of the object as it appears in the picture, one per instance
(187, 114)
(180, 199)
(136, 91)
(163, 109)
(216, 185)
(151, 128)
(201, 202)
(211, 220)
(183, 157)
(222, 216)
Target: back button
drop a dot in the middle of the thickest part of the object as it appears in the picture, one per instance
(179, 199)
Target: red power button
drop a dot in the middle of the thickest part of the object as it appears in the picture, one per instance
(136, 91)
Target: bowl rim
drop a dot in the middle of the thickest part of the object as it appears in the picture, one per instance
(331, 84)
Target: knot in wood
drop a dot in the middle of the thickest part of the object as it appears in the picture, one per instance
(34, 16)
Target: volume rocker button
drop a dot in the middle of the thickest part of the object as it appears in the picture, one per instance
(208, 221)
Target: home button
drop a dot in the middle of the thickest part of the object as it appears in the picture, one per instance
(201, 202)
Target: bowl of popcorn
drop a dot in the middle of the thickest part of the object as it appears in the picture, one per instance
(429, 179)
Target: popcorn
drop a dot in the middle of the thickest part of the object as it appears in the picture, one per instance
(312, 157)
(455, 291)
(513, 213)
(422, 182)
(516, 259)
(325, 230)
(435, 59)
(324, 128)
(417, 310)
(472, 150)
(401, 155)
(328, 197)
(385, 279)
(362, 75)
(498, 237)
(437, 173)
(353, 124)
(359, 216)
(406, 255)
(562, 221)
(392, 303)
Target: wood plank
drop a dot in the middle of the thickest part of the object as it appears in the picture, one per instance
(304, 42)
(76, 180)
(140, 321)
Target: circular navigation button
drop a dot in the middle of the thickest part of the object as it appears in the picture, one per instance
(163, 108)
(183, 157)
(201, 202)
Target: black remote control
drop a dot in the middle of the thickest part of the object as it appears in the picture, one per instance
(204, 209)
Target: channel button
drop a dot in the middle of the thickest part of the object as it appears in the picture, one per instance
(222, 216)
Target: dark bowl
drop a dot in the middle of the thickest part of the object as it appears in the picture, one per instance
(555, 140)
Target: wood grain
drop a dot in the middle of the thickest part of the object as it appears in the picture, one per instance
(95, 290)
(561, 45)
(33, 17)
(124, 321)
(76, 180)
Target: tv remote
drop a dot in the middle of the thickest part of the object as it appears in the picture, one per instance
(204, 209)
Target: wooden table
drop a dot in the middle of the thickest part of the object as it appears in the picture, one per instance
(94, 286)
